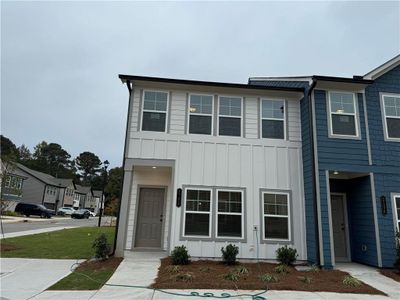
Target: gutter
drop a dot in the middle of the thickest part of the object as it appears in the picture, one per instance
(311, 137)
(128, 85)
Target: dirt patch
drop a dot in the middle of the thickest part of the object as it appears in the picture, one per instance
(205, 274)
(395, 275)
(8, 247)
(111, 263)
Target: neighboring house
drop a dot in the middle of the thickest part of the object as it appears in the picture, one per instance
(82, 194)
(97, 195)
(68, 192)
(351, 161)
(312, 162)
(11, 187)
(209, 163)
(41, 188)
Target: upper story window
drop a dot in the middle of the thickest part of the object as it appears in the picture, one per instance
(230, 116)
(391, 111)
(155, 107)
(200, 114)
(273, 121)
(343, 114)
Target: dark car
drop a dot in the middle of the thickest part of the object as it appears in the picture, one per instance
(29, 209)
(81, 214)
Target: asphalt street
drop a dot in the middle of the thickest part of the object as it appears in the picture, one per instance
(53, 222)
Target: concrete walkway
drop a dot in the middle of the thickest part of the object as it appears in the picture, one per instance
(140, 268)
(23, 278)
(33, 231)
(372, 277)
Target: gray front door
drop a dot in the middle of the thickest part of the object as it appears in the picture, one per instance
(339, 227)
(150, 217)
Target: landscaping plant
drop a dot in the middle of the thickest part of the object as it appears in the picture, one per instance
(314, 269)
(229, 254)
(186, 277)
(281, 269)
(268, 278)
(351, 281)
(180, 256)
(173, 269)
(286, 255)
(231, 276)
(101, 247)
(305, 279)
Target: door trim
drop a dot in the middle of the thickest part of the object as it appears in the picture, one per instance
(139, 187)
(346, 225)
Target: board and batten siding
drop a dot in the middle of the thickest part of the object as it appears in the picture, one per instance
(249, 163)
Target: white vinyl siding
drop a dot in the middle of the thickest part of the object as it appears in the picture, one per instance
(343, 116)
(391, 113)
(251, 118)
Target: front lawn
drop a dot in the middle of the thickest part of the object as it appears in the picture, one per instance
(255, 276)
(98, 273)
(62, 244)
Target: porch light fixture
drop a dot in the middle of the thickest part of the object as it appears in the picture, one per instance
(335, 173)
(383, 205)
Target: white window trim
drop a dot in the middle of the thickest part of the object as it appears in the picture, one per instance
(229, 213)
(276, 216)
(228, 116)
(210, 213)
(355, 114)
(384, 117)
(200, 114)
(275, 119)
(395, 218)
(166, 112)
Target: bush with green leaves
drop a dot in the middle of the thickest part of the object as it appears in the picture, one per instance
(101, 247)
(268, 278)
(232, 276)
(286, 255)
(305, 279)
(229, 254)
(186, 277)
(242, 270)
(180, 256)
(351, 281)
(281, 269)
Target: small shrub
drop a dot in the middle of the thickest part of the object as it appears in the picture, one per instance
(286, 255)
(101, 247)
(173, 269)
(305, 279)
(351, 281)
(10, 213)
(242, 270)
(268, 278)
(205, 269)
(281, 269)
(229, 254)
(314, 269)
(186, 277)
(180, 256)
(231, 276)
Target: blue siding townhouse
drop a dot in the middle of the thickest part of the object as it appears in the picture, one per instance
(351, 164)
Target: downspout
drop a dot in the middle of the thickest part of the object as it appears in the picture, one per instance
(311, 137)
(128, 85)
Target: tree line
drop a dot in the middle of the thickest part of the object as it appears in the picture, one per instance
(85, 169)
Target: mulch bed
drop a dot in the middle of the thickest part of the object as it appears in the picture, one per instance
(8, 247)
(207, 274)
(112, 262)
(395, 275)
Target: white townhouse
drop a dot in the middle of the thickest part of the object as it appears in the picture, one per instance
(209, 163)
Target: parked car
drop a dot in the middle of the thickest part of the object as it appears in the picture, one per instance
(29, 209)
(92, 214)
(65, 211)
(81, 214)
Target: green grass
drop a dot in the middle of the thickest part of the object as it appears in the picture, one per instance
(66, 243)
(76, 281)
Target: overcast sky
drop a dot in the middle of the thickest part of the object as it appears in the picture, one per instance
(60, 60)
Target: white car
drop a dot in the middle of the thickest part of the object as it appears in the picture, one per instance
(65, 211)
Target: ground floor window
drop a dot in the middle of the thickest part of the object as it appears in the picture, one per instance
(197, 212)
(397, 210)
(229, 214)
(276, 216)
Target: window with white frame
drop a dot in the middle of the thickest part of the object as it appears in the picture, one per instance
(397, 210)
(343, 114)
(273, 119)
(230, 116)
(7, 181)
(155, 107)
(230, 214)
(197, 212)
(276, 216)
(200, 114)
(391, 105)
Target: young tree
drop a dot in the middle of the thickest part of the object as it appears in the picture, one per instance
(24, 154)
(88, 164)
(8, 148)
(113, 190)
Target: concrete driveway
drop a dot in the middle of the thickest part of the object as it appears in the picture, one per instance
(23, 278)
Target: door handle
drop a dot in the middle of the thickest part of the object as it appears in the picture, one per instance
(342, 226)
